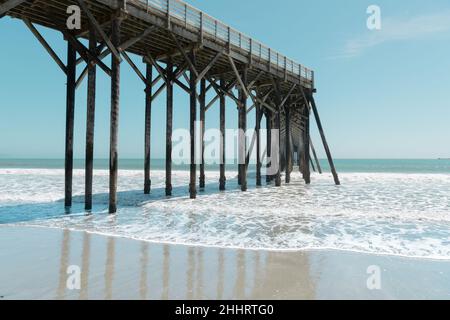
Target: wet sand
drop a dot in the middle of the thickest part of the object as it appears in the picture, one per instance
(34, 264)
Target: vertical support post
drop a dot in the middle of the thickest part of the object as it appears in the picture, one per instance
(242, 135)
(222, 180)
(90, 122)
(202, 131)
(70, 111)
(148, 128)
(288, 152)
(169, 124)
(306, 139)
(193, 119)
(258, 144)
(278, 156)
(324, 140)
(268, 144)
(115, 106)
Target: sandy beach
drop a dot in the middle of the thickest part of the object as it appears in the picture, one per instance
(35, 261)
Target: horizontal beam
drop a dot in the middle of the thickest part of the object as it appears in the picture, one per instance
(8, 5)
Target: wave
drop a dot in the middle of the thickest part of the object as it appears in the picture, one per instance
(381, 213)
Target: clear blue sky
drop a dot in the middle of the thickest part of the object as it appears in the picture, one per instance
(381, 94)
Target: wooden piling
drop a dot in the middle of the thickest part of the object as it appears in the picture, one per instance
(324, 140)
(148, 128)
(222, 180)
(90, 121)
(169, 126)
(258, 144)
(288, 154)
(268, 144)
(306, 154)
(115, 106)
(278, 156)
(70, 111)
(202, 131)
(192, 120)
(242, 133)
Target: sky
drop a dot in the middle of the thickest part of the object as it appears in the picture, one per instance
(381, 93)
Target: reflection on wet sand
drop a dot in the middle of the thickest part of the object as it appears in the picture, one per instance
(236, 274)
(85, 266)
(36, 266)
(64, 264)
(144, 267)
(109, 268)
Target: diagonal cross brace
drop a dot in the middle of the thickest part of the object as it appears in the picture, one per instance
(99, 29)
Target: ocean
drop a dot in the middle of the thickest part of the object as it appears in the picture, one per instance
(386, 207)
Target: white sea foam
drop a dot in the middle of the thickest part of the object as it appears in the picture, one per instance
(383, 213)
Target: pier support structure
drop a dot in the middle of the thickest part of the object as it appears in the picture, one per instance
(279, 89)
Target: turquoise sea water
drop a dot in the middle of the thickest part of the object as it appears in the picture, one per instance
(342, 165)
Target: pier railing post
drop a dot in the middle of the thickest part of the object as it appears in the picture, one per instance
(202, 131)
(70, 110)
(169, 127)
(115, 106)
(222, 180)
(90, 121)
(148, 128)
(192, 120)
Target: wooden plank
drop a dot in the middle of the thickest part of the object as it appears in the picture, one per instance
(8, 5)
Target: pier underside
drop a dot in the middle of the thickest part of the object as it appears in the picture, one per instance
(180, 46)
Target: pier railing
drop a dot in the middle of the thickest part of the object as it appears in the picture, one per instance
(191, 18)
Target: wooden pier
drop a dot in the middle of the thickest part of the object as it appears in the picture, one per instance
(180, 46)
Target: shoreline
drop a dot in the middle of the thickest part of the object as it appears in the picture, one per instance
(218, 247)
(35, 267)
